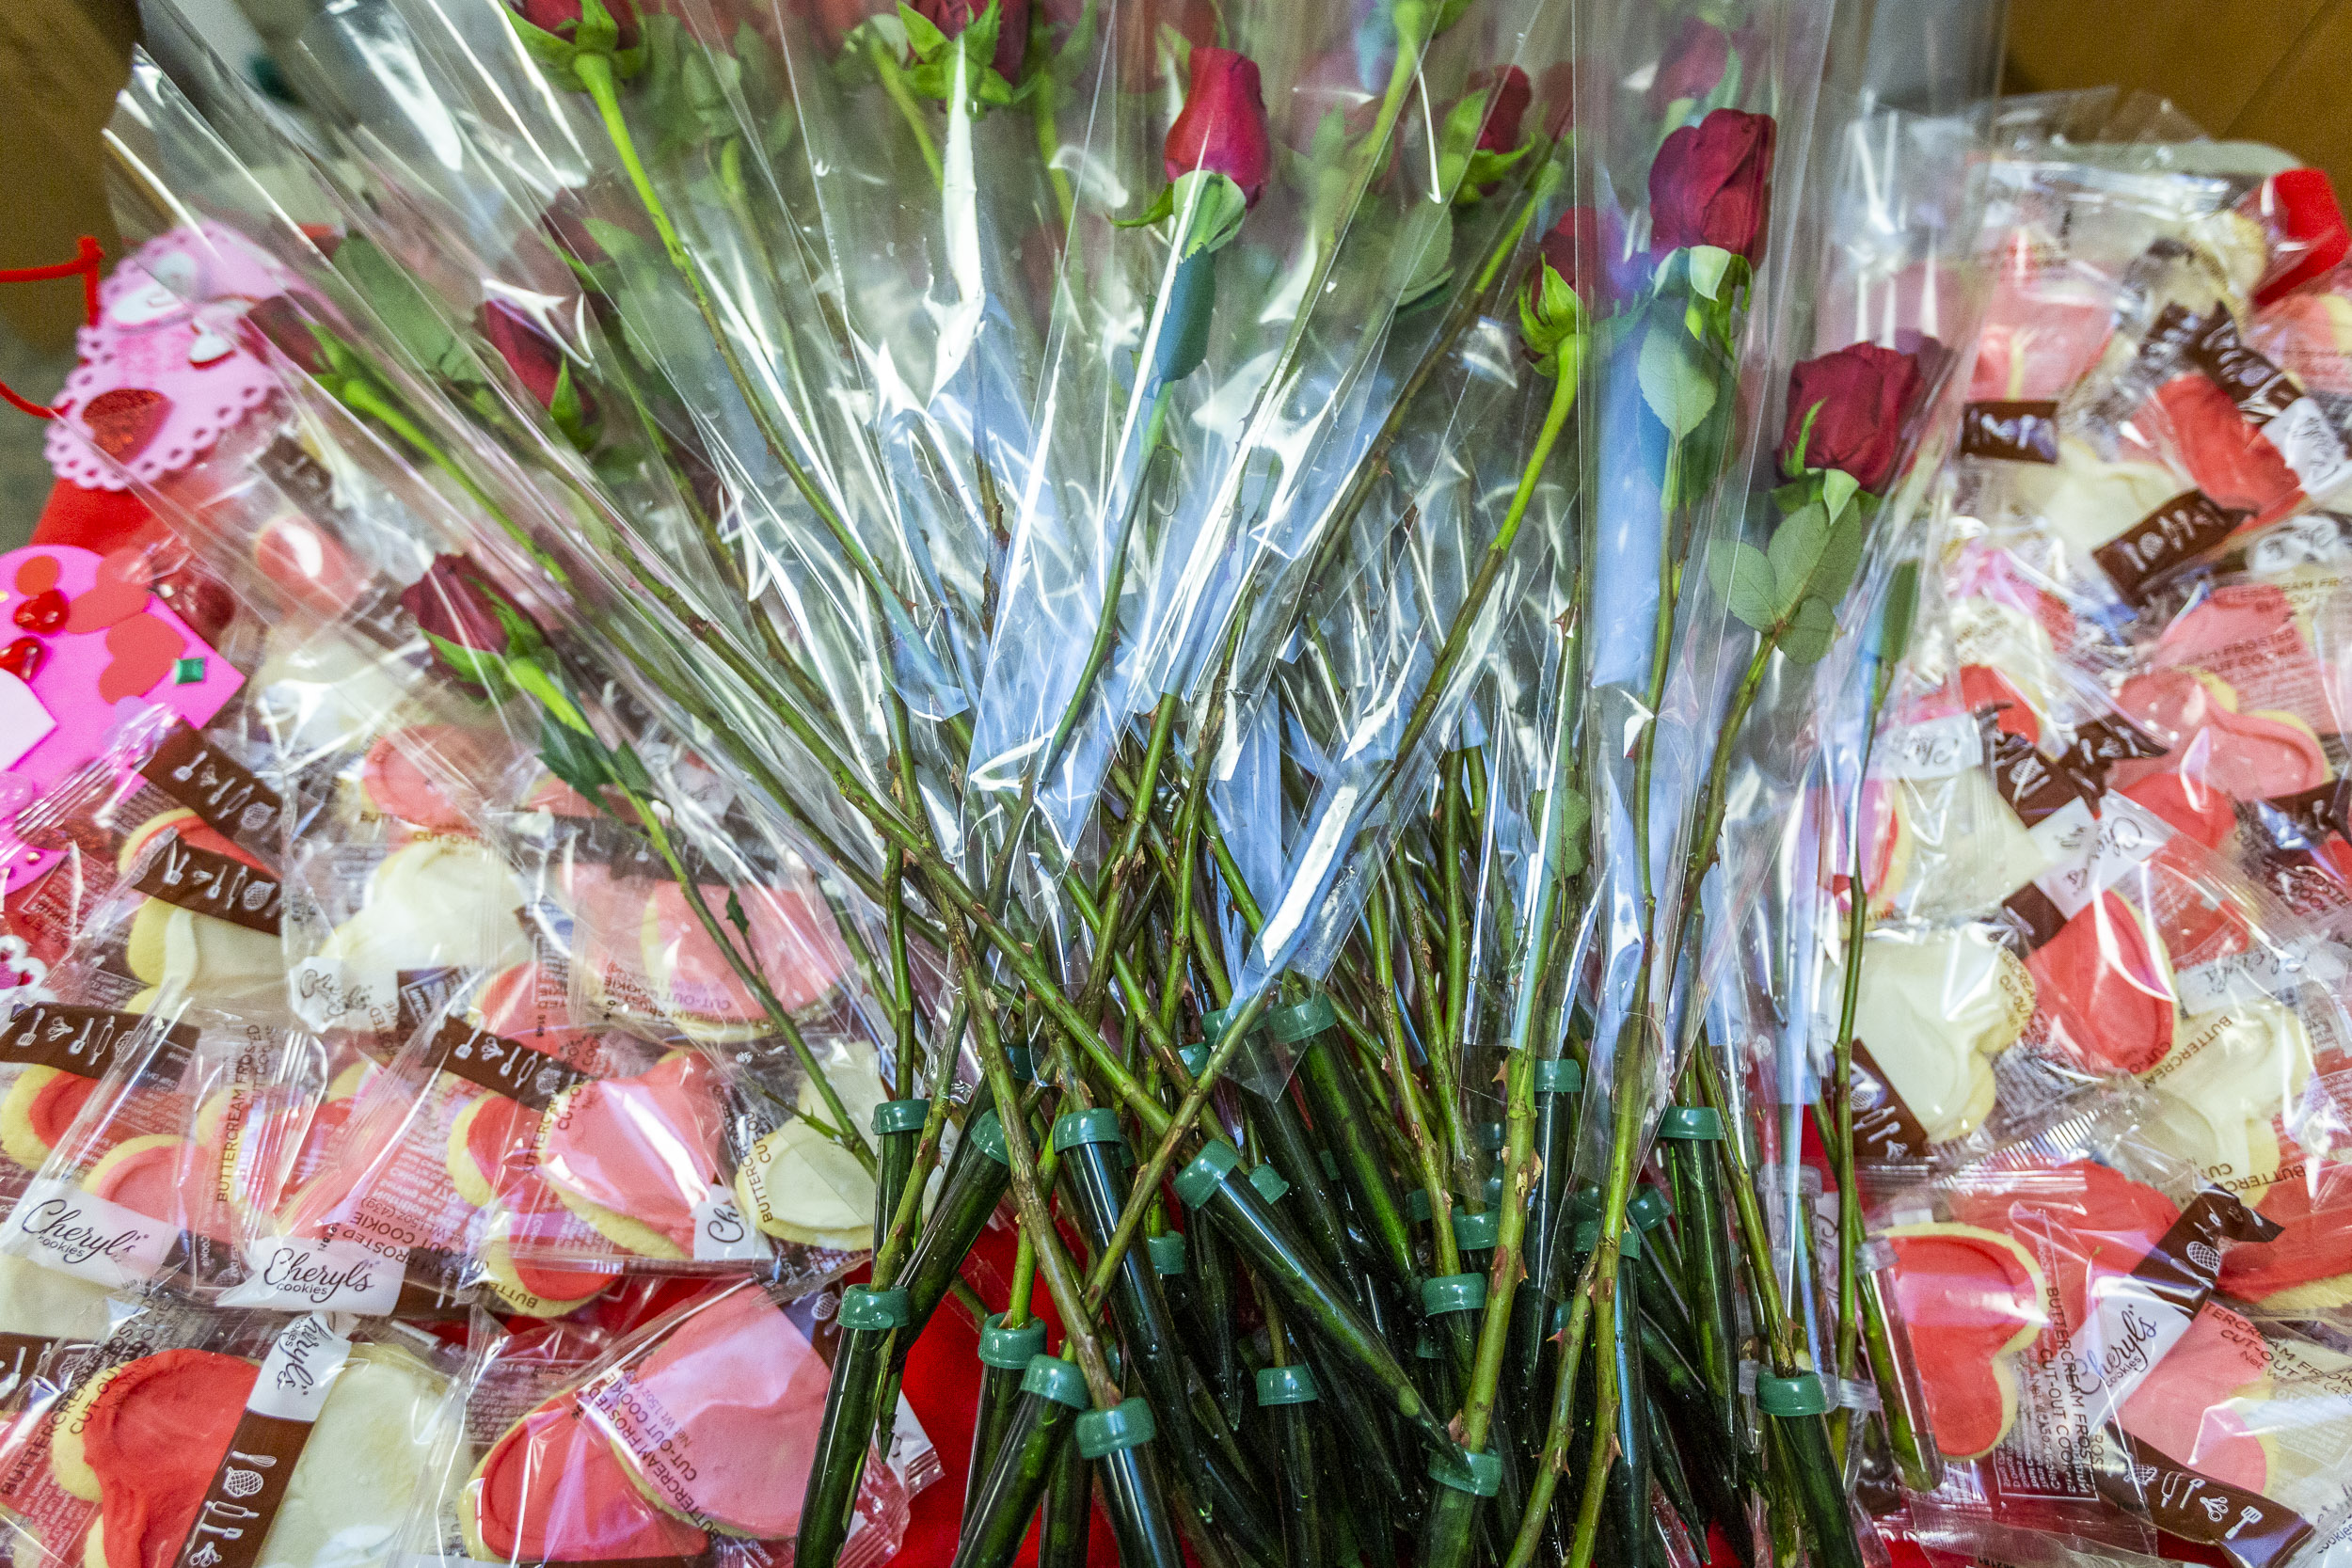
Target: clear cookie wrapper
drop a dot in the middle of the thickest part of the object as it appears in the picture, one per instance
(2107, 940)
(528, 1139)
(183, 1435)
(2089, 1383)
(687, 1440)
(2118, 406)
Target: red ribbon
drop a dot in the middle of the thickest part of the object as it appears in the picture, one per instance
(88, 257)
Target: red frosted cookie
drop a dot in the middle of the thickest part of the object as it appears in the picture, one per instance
(152, 1438)
(1972, 1299)
(634, 1156)
(2105, 989)
(551, 1490)
(2185, 1406)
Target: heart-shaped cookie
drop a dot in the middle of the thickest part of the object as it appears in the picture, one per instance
(2193, 1406)
(1972, 1299)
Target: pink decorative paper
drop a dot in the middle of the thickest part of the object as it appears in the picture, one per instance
(110, 656)
(164, 373)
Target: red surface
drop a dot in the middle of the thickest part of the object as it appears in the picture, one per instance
(942, 1384)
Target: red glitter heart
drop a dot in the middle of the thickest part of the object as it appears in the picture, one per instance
(22, 657)
(124, 420)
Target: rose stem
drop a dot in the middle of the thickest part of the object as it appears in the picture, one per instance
(894, 82)
(596, 76)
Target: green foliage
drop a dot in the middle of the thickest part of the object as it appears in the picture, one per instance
(936, 61)
(686, 92)
(1674, 384)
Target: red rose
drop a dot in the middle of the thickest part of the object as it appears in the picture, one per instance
(536, 359)
(1694, 63)
(1856, 399)
(1505, 108)
(1556, 87)
(565, 223)
(1711, 184)
(561, 18)
(1579, 248)
(836, 18)
(278, 324)
(952, 17)
(452, 601)
(1223, 126)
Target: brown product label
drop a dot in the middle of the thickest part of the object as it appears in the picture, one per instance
(2102, 743)
(421, 993)
(1883, 1126)
(20, 1356)
(2302, 821)
(501, 1066)
(216, 786)
(2187, 1259)
(203, 883)
(2011, 431)
(2170, 537)
(239, 1507)
(2036, 918)
(2260, 390)
(2034, 786)
(2250, 1529)
(86, 1040)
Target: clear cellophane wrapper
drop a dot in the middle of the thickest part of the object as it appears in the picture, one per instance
(2122, 412)
(608, 1096)
(159, 1104)
(683, 1437)
(2091, 1384)
(178, 1432)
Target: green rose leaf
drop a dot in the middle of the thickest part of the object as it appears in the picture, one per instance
(1163, 205)
(1794, 552)
(1576, 814)
(1840, 559)
(1742, 576)
(1426, 241)
(484, 670)
(1891, 635)
(579, 759)
(1809, 635)
(1674, 384)
(394, 295)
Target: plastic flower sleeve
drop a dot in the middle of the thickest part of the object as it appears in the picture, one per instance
(1163, 541)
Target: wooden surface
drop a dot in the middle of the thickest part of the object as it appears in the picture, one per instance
(2273, 71)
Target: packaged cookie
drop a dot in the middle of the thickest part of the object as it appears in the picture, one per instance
(188, 1435)
(688, 1440)
(2087, 1383)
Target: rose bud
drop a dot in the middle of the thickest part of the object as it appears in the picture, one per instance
(1579, 248)
(278, 324)
(1556, 89)
(539, 363)
(1513, 93)
(1847, 408)
(562, 18)
(1223, 126)
(1711, 184)
(456, 607)
(952, 17)
(1693, 65)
